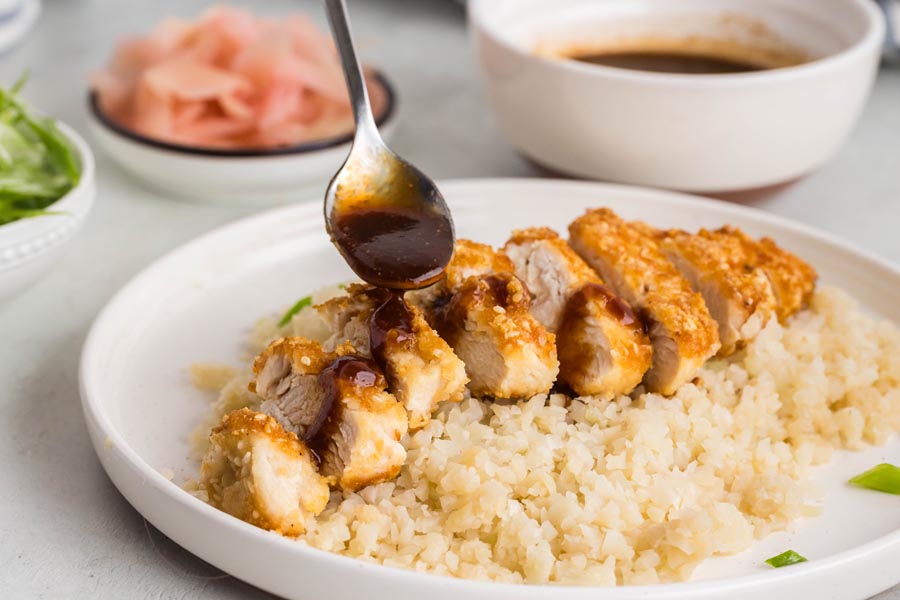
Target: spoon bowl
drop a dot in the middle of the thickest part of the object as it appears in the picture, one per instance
(387, 219)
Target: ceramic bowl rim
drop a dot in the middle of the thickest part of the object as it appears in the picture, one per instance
(387, 115)
(99, 421)
(871, 38)
(22, 240)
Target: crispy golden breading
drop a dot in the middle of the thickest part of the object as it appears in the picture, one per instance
(359, 443)
(473, 259)
(602, 348)
(301, 355)
(470, 259)
(682, 332)
(347, 316)
(793, 280)
(507, 352)
(737, 293)
(287, 379)
(338, 402)
(422, 370)
(262, 474)
(550, 269)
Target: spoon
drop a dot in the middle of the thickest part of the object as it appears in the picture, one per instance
(385, 216)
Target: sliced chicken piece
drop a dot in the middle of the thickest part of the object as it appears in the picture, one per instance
(469, 259)
(347, 317)
(337, 402)
(359, 444)
(550, 269)
(793, 281)
(421, 368)
(737, 293)
(507, 352)
(287, 379)
(602, 347)
(682, 332)
(262, 474)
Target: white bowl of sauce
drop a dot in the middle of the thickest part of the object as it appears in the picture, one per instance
(692, 95)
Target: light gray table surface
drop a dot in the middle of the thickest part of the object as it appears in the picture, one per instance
(65, 532)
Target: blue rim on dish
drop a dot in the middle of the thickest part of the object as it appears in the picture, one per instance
(312, 146)
(12, 13)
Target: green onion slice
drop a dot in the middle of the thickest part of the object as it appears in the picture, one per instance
(882, 478)
(300, 305)
(785, 559)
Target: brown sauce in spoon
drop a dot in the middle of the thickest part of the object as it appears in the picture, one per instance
(394, 247)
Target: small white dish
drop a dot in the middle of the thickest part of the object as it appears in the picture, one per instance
(17, 18)
(703, 133)
(197, 304)
(30, 247)
(253, 177)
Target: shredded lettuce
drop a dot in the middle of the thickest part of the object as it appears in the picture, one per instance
(38, 165)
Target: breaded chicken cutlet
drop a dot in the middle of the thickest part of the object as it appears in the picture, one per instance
(792, 279)
(483, 311)
(338, 403)
(507, 352)
(736, 290)
(681, 330)
(601, 345)
(422, 370)
(262, 474)
(470, 259)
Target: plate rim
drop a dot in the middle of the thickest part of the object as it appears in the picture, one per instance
(105, 437)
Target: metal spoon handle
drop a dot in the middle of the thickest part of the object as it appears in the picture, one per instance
(359, 97)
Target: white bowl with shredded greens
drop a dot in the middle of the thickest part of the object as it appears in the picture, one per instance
(46, 191)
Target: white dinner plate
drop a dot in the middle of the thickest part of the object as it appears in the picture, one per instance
(198, 303)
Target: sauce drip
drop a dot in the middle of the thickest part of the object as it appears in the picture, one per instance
(389, 323)
(498, 288)
(614, 304)
(440, 320)
(344, 370)
(393, 247)
(669, 62)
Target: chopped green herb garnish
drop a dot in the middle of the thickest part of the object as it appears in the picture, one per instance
(785, 559)
(38, 165)
(882, 478)
(300, 305)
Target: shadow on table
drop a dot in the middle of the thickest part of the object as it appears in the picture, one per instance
(216, 583)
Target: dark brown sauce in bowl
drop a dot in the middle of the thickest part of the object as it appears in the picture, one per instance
(686, 55)
(669, 62)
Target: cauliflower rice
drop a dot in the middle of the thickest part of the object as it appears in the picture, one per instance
(635, 490)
